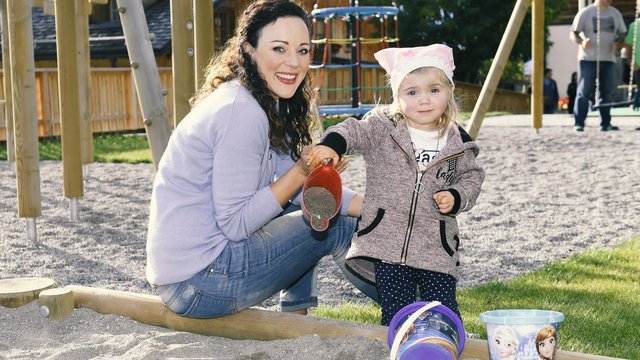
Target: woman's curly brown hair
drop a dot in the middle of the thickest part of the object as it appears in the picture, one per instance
(291, 121)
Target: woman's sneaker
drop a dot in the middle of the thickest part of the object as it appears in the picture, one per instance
(609, 128)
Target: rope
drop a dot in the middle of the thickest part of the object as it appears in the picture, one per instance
(358, 50)
(360, 13)
(597, 95)
(633, 53)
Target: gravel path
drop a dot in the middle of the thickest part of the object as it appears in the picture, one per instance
(547, 195)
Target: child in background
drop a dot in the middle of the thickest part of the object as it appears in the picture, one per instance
(421, 173)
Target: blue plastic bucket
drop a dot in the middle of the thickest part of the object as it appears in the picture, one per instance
(426, 330)
(524, 334)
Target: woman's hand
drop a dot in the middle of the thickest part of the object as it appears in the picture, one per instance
(342, 165)
(303, 164)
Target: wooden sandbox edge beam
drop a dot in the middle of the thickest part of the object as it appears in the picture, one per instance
(252, 324)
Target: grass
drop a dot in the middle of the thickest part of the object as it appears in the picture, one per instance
(598, 291)
(112, 148)
(134, 148)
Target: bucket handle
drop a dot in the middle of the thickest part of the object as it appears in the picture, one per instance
(405, 326)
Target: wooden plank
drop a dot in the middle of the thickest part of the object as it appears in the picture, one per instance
(146, 76)
(68, 92)
(24, 107)
(497, 67)
(56, 303)
(16, 292)
(82, 10)
(537, 73)
(203, 37)
(6, 77)
(183, 63)
(247, 324)
(253, 324)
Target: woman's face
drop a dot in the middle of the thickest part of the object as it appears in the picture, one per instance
(282, 55)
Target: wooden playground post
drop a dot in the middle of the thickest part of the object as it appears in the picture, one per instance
(24, 112)
(145, 76)
(182, 53)
(8, 103)
(203, 35)
(537, 70)
(497, 67)
(68, 86)
(82, 12)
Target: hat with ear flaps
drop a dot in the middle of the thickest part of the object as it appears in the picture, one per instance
(399, 62)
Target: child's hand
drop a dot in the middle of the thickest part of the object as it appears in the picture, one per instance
(320, 153)
(444, 200)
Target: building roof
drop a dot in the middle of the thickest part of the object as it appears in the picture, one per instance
(106, 38)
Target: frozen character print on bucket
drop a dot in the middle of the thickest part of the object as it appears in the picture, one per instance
(506, 343)
(421, 173)
(546, 342)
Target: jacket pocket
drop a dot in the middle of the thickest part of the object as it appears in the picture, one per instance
(374, 223)
(443, 239)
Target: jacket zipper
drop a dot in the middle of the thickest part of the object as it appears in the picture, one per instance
(414, 199)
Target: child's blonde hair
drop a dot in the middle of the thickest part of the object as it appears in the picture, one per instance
(451, 111)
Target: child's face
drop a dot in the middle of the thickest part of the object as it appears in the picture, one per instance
(423, 98)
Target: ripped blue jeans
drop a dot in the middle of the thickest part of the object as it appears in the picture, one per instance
(282, 256)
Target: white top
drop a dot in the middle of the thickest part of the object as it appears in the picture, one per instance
(426, 145)
(612, 29)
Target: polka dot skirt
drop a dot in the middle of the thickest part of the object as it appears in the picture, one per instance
(401, 285)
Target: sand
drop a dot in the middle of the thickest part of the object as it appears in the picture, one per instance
(547, 195)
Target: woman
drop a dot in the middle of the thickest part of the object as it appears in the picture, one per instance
(223, 233)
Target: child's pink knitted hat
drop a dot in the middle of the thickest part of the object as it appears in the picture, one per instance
(399, 62)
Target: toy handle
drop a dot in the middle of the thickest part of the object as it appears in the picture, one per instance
(405, 326)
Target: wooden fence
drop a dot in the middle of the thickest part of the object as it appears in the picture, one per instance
(115, 108)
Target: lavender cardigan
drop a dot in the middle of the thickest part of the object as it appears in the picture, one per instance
(212, 184)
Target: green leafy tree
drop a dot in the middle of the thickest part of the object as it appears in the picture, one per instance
(472, 28)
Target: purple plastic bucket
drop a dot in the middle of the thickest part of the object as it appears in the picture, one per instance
(435, 333)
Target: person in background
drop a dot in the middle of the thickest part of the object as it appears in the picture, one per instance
(550, 92)
(571, 92)
(596, 50)
(225, 228)
(421, 173)
(633, 49)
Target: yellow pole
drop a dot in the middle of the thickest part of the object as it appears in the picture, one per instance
(69, 99)
(203, 33)
(537, 70)
(24, 107)
(497, 67)
(82, 11)
(182, 51)
(145, 76)
(6, 69)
